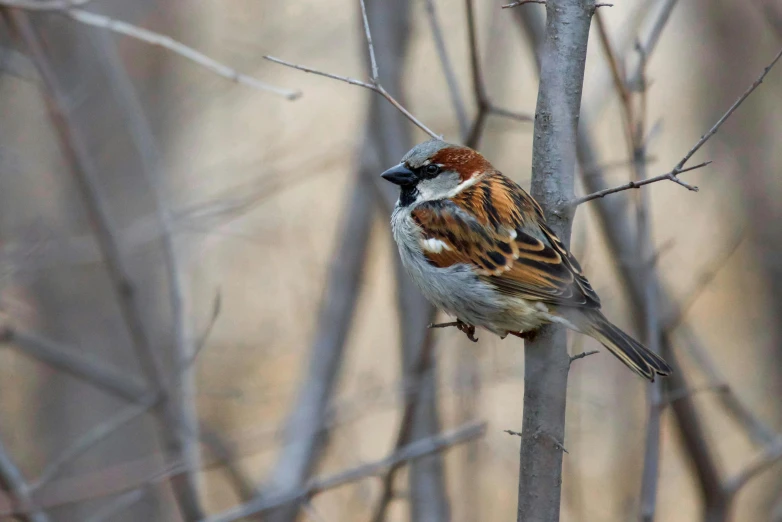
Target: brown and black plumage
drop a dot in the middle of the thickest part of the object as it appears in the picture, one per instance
(460, 223)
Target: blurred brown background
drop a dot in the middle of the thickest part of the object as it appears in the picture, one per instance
(256, 190)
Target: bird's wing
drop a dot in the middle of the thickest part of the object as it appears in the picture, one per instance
(499, 230)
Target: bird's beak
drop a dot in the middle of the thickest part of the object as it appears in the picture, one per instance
(400, 175)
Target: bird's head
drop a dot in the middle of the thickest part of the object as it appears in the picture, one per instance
(435, 170)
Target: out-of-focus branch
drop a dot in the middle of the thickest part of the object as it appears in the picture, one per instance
(371, 86)
(671, 175)
(411, 452)
(659, 19)
(522, 2)
(118, 26)
(414, 382)
(45, 5)
(482, 100)
(448, 70)
(118, 505)
(716, 496)
(679, 168)
(428, 500)
(563, 56)
(184, 395)
(86, 179)
(11, 480)
(771, 456)
(305, 429)
(635, 132)
(119, 384)
(93, 437)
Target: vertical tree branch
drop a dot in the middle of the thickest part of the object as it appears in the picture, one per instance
(391, 134)
(83, 170)
(306, 424)
(553, 168)
(11, 479)
(184, 395)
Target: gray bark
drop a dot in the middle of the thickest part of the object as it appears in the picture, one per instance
(562, 59)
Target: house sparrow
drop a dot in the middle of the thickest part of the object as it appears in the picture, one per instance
(478, 247)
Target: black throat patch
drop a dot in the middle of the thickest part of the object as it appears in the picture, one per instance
(407, 195)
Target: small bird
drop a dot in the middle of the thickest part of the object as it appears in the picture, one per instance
(479, 248)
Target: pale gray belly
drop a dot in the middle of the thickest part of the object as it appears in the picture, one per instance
(459, 292)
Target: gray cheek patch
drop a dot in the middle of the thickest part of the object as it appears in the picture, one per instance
(439, 187)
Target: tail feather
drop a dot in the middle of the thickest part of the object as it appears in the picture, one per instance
(635, 355)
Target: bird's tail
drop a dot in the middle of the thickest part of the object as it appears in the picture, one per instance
(635, 355)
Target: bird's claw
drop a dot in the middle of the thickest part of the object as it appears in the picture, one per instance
(527, 336)
(467, 329)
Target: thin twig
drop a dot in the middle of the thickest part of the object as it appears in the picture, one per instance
(93, 437)
(727, 114)
(448, 70)
(410, 452)
(771, 455)
(117, 383)
(523, 2)
(679, 168)
(139, 33)
(671, 175)
(378, 88)
(648, 44)
(306, 425)
(482, 100)
(12, 480)
(185, 350)
(562, 59)
(45, 5)
(375, 75)
(118, 505)
(84, 173)
(702, 281)
(413, 392)
(582, 355)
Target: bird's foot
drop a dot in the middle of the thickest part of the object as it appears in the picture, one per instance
(527, 336)
(467, 329)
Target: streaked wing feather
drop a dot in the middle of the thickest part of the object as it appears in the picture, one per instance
(499, 230)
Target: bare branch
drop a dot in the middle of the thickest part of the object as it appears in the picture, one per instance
(185, 350)
(727, 114)
(118, 505)
(45, 5)
(648, 44)
(638, 184)
(411, 452)
(582, 355)
(757, 431)
(771, 456)
(85, 176)
(93, 437)
(306, 424)
(523, 2)
(375, 77)
(562, 60)
(11, 479)
(117, 383)
(679, 168)
(65, 8)
(448, 70)
(372, 87)
(702, 281)
(482, 100)
(413, 392)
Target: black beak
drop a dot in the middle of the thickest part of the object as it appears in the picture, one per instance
(400, 175)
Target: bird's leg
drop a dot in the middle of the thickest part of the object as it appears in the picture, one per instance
(467, 329)
(527, 336)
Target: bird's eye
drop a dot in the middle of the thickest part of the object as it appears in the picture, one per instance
(432, 170)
